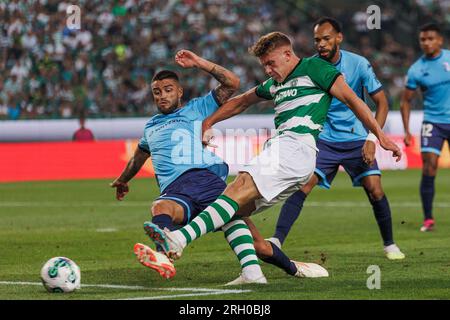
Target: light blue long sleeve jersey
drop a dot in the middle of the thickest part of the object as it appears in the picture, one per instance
(432, 76)
(342, 125)
(175, 141)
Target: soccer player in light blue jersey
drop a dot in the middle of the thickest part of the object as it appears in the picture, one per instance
(190, 177)
(430, 74)
(344, 142)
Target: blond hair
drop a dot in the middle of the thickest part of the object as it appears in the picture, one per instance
(269, 42)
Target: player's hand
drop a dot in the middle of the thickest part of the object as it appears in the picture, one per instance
(187, 59)
(407, 139)
(121, 189)
(207, 134)
(368, 152)
(388, 144)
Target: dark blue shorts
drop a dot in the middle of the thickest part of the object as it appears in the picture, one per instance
(348, 155)
(433, 136)
(194, 190)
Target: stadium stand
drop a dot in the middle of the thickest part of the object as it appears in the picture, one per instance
(50, 71)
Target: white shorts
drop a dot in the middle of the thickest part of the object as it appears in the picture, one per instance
(283, 167)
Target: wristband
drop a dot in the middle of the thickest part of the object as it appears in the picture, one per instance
(372, 137)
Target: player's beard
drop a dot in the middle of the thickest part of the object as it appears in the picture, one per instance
(330, 56)
(169, 110)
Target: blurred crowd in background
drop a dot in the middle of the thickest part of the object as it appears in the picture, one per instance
(104, 69)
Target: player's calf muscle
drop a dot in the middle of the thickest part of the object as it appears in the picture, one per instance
(263, 248)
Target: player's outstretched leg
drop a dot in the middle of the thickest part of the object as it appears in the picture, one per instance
(271, 253)
(240, 239)
(213, 217)
(240, 192)
(382, 213)
(165, 213)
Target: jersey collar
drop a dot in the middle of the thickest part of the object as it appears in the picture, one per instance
(290, 73)
(339, 60)
(435, 58)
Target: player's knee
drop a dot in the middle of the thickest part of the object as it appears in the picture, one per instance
(241, 181)
(307, 188)
(160, 207)
(239, 187)
(429, 171)
(429, 168)
(263, 249)
(374, 190)
(376, 194)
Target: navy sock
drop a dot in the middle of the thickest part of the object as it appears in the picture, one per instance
(289, 213)
(280, 260)
(427, 195)
(164, 221)
(382, 213)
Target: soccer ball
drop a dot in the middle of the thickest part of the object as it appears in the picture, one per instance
(60, 274)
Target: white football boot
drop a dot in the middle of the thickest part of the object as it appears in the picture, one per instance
(170, 245)
(393, 252)
(154, 260)
(309, 270)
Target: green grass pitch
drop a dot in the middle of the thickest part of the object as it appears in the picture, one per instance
(81, 220)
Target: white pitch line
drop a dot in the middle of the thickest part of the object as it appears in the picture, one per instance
(107, 286)
(11, 204)
(200, 291)
(106, 230)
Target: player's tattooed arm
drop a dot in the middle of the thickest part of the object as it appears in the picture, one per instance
(229, 83)
(133, 166)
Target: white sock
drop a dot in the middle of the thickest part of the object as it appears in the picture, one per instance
(252, 272)
(392, 248)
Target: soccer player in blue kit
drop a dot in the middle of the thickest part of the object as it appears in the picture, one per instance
(430, 73)
(344, 141)
(190, 177)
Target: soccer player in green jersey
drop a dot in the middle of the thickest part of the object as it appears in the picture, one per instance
(302, 90)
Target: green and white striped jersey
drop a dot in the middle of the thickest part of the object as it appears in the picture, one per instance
(302, 99)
